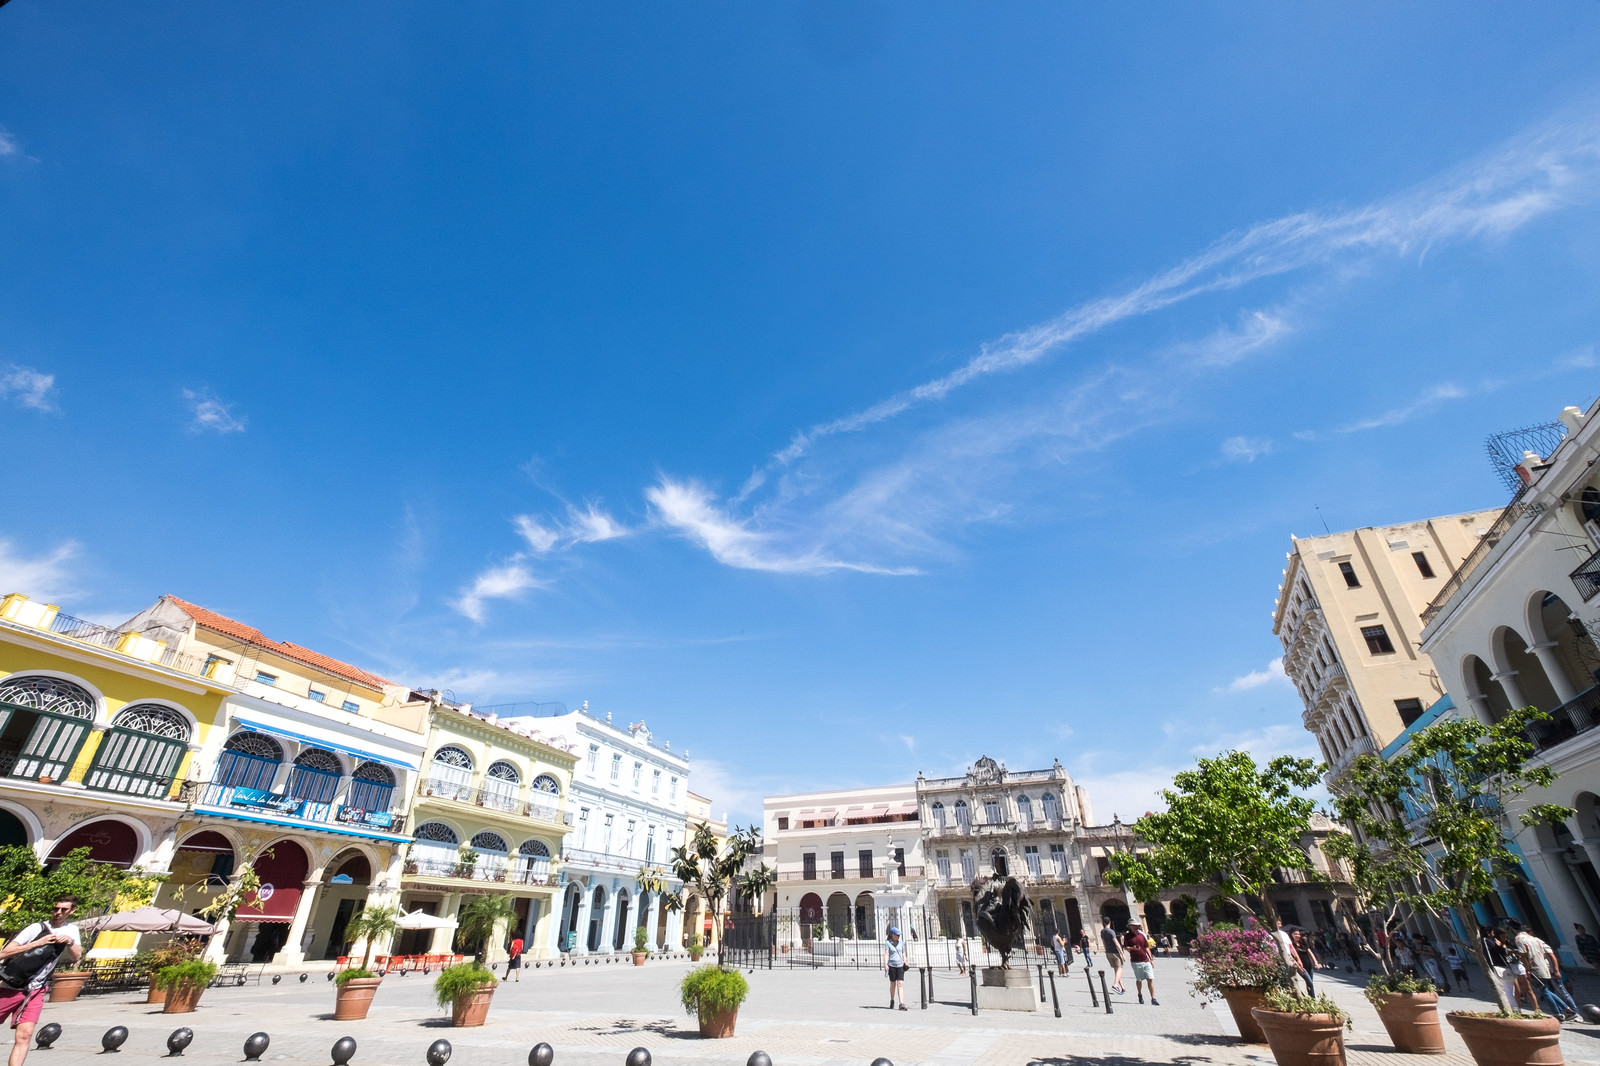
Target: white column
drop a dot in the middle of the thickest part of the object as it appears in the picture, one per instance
(653, 919)
(1555, 879)
(1513, 691)
(674, 929)
(1546, 654)
(439, 942)
(585, 905)
(292, 954)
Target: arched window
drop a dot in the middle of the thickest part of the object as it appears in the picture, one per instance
(50, 694)
(372, 787)
(997, 859)
(500, 786)
(433, 853)
(1052, 807)
(140, 753)
(437, 833)
(315, 776)
(938, 814)
(1025, 811)
(249, 760)
(546, 783)
(963, 817)
(451, 773)
(533, 862)
(492, 855)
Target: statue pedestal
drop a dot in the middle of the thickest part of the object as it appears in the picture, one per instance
(1000, 989)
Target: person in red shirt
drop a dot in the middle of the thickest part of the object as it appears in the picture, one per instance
(514, 963)
(1144, 967)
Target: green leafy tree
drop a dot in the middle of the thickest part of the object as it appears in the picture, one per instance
(704, 870)
(1434, 818)
(479, 916)
(371, 924)
(28, 890)
(1228, 823)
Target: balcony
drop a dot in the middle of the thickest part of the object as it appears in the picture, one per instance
(913, 873)
(498, 873)
(1586, 578)
(543, 809)
(289, 810)
(1578, 715)
(1358, 747)
(42, 617)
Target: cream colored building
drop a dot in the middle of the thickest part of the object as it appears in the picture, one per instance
(1518, 625)
(696, 920)
(1349, 617)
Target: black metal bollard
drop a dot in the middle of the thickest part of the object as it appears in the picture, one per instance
(922, 986)
(180, 1039)
(1104, 991)
(541, 1055)
(1055, 1000)
(881, 1062)
(438, 1053)
(344, 1049)
(113, 1039)
(1041, 983)
(758, 1058)
(972, 975)
(254, 1045)
(1094, 1000)
(637, 1057)
(48, 1034)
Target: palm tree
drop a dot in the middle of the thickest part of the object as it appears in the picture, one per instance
(370, 924)
(480, 915)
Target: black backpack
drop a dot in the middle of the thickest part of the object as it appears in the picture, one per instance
(18, 971)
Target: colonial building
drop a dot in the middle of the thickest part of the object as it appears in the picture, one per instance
(629, 798)
(490, 812)
(1349, 615)
(1517, 624)
(696, 919)
(305, 778)
(832, 851)
(1023, 824)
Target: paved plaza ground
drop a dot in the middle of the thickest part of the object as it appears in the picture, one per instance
(593, 1015)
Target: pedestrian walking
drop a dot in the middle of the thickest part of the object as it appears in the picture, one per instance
(1431, 966)
(1458, 967)
(514, 962)
(1309, 963)
(1144, 969)
(894, 964)
(961, 957)
(1286, 953)
(1112, 949)
(26, 963)
(1083, 946)
(1058, 944)
(1587, 946)
(1544, 970)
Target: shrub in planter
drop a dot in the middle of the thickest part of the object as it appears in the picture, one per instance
(173, 952)
(641, 946)
(66, 983)
(713, 995)
(183, 982)
(356, 987)
(1239, 966)
(1302, 1030)
(1409, 1009)
(698, 948)
(466, 989)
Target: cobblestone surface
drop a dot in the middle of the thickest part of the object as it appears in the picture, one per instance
(594, 1016)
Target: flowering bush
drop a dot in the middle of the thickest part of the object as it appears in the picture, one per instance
(1235, 958)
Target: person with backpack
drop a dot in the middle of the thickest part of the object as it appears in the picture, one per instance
(26, 963)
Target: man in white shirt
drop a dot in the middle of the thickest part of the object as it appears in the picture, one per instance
(24, 1005)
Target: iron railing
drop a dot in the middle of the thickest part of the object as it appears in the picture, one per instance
(495, 799)
(1586, 578)
(87, 632)
(500, 873)
(289, 808)
(1578, 715)
(1497, 532)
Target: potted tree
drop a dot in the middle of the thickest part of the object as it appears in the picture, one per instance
(1444, 801)
(183, 983)
(1302, 1030)
(1409, 1009)
(174, 951)
(697, 948)
(466, 989)
(641, 946)
(358, 984)
(1239, 966)
(713, 995)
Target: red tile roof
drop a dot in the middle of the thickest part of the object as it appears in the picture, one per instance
(251, 635)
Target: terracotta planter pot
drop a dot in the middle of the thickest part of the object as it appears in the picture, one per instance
(1510, 1041)
(471, 1010)
(639, 957)
(719, 1024)
(694, 956)
(182, 999)
(64, 987)
(1240, 1002)
(1302, 1039)
(354, 998)
(157, 994)
(1412, 1019)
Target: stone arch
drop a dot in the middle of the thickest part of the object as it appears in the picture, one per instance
(866, 916)
(18, 825)
(1483, 690)
(1551, 620)
(838, 914)
(1117, 911)
(148, 716)
(54, 691)
(546, 783)
(113, 841)
(1510, 649)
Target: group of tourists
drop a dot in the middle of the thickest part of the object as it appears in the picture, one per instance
(1528, 968)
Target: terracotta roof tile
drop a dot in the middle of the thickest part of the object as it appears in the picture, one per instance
(251, 635)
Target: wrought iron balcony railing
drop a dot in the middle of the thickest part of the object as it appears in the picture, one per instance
(289, 808)
(1578, 715)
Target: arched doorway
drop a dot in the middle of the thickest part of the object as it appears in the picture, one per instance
(266, 914)
(838, 915)
(1000, 863)
(597, 916)
(810, 916)
(866, 917)
(570, 901)
(12, 831)
(622, 933)
(108, 840)
(1155, 919)
(1117, 911)
(203, 863)
(692, 916)
(343, 896)
(1482, 685)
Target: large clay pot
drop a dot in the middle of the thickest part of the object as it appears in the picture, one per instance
(1412, 1019)
(354, 998)
(157, 995)
(471, 1010)
(1510, 1041)
(182, 999)
(639, 957)
(1240, 1002)
(719, 1024)
(64, 987)
(1302, 1039)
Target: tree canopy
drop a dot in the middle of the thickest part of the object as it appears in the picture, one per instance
(29, 890)
(1228, 823)
(714, 874)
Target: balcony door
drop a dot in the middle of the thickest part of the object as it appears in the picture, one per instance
(44, 722)
(140, 753)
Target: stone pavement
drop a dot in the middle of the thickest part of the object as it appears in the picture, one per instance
(594, 1016)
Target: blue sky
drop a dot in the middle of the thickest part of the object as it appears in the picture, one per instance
(847, 389)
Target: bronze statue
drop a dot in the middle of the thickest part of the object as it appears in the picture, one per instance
(1000, 909)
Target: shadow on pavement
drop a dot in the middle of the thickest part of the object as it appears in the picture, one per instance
(1112, 1060)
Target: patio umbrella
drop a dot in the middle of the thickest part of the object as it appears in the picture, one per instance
(148, 920)
(423, 920)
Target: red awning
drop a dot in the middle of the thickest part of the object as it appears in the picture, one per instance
(283, 875)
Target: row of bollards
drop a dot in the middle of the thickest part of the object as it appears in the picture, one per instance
(344, 1049)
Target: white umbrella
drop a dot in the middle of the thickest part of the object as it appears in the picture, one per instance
(148, 920)
(423, 920)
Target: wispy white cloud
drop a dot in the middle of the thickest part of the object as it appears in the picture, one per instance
(689, 509)
(41, 577)
(1245, 449)
(28, 386)
(9, 146)
(583, 525)
(505, 582)
(1257, 330)
(210, 414)
(1430, 399)
(909, 741)
(540, 537)
(1271, 674)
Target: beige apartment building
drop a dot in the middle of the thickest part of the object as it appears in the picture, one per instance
(1349, 614)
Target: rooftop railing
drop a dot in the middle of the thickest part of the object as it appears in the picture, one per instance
(1497, 532)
